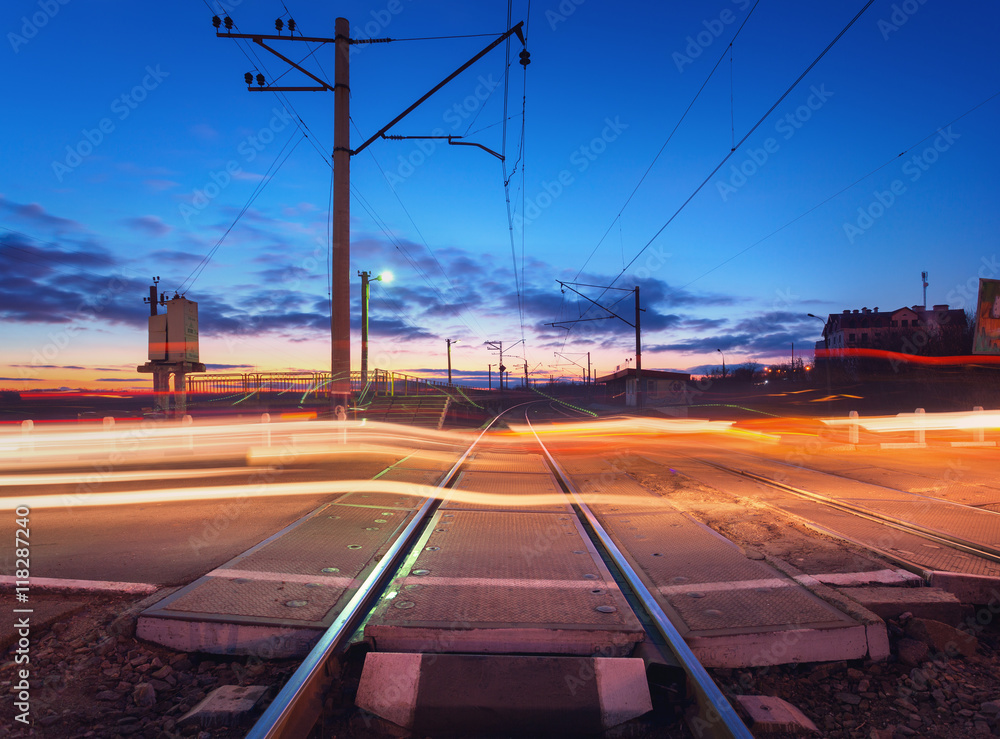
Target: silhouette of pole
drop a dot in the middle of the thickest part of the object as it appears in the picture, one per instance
(340, 288)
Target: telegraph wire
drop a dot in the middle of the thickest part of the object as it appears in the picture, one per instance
(265, 180)
(749, 133)
(669, 137)
(842, 190)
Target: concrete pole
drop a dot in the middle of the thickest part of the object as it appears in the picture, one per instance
(365, 293)
(340, 313)
(638, 354)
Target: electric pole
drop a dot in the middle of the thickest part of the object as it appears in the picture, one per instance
(450, 342)
(340, 285)
(636, 326)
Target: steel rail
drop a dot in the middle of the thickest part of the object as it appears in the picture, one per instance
(963, 545)
(718, 717)
(298, 705)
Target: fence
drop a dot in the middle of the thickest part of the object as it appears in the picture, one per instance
(307, 385)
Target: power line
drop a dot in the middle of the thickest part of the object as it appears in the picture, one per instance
(841, 191)
(265, 180)
(669, 137)
(745, 137)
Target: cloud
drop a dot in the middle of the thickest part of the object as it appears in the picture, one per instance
(149, 225)
(158, 185)
(203, 131)
(36, 216)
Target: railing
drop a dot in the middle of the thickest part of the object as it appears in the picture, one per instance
(310, 385)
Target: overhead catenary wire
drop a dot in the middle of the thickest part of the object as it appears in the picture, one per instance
(841, 191)
(749, 133)
(265, 180)
(444, 274)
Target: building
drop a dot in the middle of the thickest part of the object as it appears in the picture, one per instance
(938, 331)
(660, 387)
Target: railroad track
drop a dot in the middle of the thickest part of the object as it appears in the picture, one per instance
(298, 706)
(934, 520)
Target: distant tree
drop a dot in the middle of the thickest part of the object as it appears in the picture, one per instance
(748, 372)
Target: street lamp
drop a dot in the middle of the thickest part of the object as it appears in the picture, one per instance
(723, 363)
(450, 342)
(366, 278)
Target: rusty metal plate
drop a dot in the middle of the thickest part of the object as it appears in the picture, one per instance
(753, 609)
(634, 498)
(505, 582)
(910, 547)
(287, 601)
(673, 549)
(507, 605)
(970, 524)
(394, 501)
(506, 545)
(491, 462)
(507, 488)
(339, 536)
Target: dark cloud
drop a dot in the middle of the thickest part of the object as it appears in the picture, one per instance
(50, 366)
(36, 216)
(149, 225)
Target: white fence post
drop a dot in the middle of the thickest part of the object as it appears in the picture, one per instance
(109, 427)
(265, 419)
(919, 434)
(852, 429)
(186, 422)
(27, 438)
(978, 434)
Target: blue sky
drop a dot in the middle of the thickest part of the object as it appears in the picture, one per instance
(131, 145)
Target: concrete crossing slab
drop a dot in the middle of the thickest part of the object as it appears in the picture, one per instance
(280, 596)
(504, 582)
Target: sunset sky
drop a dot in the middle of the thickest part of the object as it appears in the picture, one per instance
(131, 146)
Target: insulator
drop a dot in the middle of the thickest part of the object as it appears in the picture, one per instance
(279, 24)
(228, 23)
(260, 79)
(216, 21)
(249, 78)
(291, 25)
(525, 58)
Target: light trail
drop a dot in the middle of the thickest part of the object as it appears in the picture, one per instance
(322, 487)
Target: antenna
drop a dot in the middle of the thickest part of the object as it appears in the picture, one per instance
(923, 279)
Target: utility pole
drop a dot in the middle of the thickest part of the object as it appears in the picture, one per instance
(636, 326)
(450, 342)
(638, 354)
(365, 293)
(340, 258)
(923, 280)
(340, 287)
